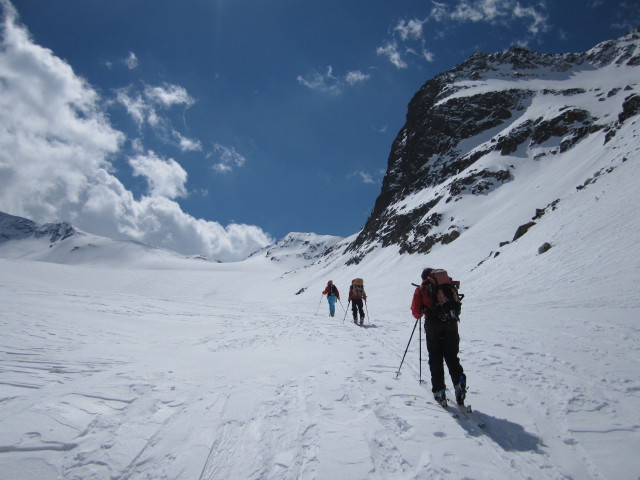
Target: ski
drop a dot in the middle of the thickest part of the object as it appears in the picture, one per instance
(467, 412)
(453, 412)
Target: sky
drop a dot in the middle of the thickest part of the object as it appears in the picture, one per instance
(215, 127)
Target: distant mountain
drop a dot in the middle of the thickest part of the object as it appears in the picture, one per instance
(21, 238)
(298, 249)
(16, 228)
(491, 121)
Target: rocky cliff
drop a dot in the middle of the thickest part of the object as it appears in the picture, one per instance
(468, 128)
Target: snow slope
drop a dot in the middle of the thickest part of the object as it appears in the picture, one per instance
(222, 372)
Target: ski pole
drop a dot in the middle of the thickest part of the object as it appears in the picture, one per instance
(345, 312)
(319, 304)
(406, 349)
(420, 354)
(366, 308)
(341, 304)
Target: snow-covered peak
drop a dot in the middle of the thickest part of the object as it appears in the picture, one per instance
(297, 249)
(21, 238)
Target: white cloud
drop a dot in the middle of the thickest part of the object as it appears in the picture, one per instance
(166, 178)
(226, 158)
(168, 95)
(427, 55)
(329, 83)
(187, 144)
(408, 34)
(495, 12)
(131, 61)
(145, 107)
(323, 82)
(356, 77)
(390, 50)
(56, 147)
(363, 176)
(134, 105)
(410, 29)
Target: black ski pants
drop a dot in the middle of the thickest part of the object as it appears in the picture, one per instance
(356, 304)
(443, 343)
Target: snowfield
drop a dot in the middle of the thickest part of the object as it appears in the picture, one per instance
(198, 370)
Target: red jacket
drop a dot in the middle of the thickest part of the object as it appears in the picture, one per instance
(327, 291)
(420, 300)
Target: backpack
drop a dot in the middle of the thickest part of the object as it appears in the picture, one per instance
(357, 288)
(332, 290)
(446, 302)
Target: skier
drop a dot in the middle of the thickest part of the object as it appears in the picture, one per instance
(332, 293)
(356, 296)
(443, 343)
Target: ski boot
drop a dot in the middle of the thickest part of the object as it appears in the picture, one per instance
(362, 320)
(461, 389)
(441, 397)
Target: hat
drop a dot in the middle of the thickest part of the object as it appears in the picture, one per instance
(426, 272)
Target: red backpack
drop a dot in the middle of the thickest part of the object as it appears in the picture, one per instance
(446, 302)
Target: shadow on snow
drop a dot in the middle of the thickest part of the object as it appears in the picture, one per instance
(512, 437)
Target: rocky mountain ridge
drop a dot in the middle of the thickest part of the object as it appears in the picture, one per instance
(16, 228)
(467, 130)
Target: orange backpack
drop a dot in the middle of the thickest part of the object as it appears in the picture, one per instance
(357, 288)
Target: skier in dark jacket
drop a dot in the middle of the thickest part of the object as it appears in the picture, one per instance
(443, 342)
(332, 294)
(356, 296)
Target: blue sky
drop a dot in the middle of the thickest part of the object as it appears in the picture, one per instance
(216, 126)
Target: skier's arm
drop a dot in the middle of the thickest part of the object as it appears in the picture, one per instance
(416, 303)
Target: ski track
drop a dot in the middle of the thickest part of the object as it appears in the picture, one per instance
(340, 414)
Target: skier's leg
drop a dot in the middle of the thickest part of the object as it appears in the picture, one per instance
(451, 347)
(434, 347)
(332, 305)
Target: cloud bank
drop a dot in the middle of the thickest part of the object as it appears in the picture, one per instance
(56, 148)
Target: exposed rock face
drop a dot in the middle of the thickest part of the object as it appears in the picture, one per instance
(488, 105)
(14, 228)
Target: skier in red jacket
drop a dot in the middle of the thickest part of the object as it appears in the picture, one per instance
(443, 343)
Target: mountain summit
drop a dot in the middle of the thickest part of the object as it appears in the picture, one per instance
(492, 119)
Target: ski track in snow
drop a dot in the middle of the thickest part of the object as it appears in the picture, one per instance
(113, 383)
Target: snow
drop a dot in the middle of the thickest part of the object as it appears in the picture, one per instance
(199, 370)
